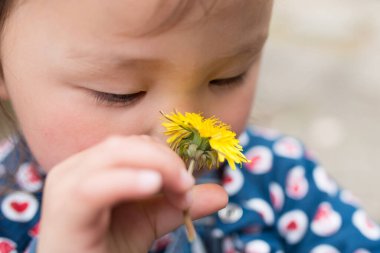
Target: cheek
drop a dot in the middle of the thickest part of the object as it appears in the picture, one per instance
(61, 131)
(239, 112)
(236, 109)
(57, 130)
(54, 137)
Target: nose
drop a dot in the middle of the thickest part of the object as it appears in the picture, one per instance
(189, 99)
(186, 103)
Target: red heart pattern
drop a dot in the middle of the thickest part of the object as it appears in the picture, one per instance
(365, 225)
(293, 225)
(19, 206)
(262, 208)
(288, 147)
(233, 181)
(276, 195)
(297, 185)
(7, 246)
(29, 178)
(326, 221)
(261, 160)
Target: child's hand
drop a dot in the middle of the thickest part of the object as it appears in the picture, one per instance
(107, 198)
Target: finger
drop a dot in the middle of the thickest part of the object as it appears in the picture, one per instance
(180, 201)
(207, 199)
(107, 188)
(89, 203)
(141, 152)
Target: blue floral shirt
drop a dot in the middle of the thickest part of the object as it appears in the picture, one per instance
(282, 201)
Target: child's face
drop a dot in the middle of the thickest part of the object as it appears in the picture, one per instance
(58, 54)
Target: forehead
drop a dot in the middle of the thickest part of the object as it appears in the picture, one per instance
(135, 17)
(191, 29)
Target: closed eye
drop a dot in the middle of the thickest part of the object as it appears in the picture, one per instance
(229, 81)
(112, 99)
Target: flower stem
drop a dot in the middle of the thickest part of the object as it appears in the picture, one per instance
(186, 213)
(191, 167)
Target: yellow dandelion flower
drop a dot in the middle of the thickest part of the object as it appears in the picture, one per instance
(205, 141)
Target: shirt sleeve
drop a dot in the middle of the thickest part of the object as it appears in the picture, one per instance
(21, 183)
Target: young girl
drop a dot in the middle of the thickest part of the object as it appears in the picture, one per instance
(87, 80)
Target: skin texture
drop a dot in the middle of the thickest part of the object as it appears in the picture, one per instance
(57, 55)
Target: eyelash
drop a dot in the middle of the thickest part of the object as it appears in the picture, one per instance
(128, 99)
(117, 99)
(236, 80)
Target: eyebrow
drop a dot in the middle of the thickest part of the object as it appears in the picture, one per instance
(249, 48)
(111, 59)
(114, 60)
(92, 63)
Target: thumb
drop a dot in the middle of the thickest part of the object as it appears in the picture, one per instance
(207, 199)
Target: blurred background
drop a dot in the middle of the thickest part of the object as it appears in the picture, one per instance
(320, 81)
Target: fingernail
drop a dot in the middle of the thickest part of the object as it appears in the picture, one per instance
(186, 178)
(186, 201)
(149, 177)
(188, 198)
(181, 201)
